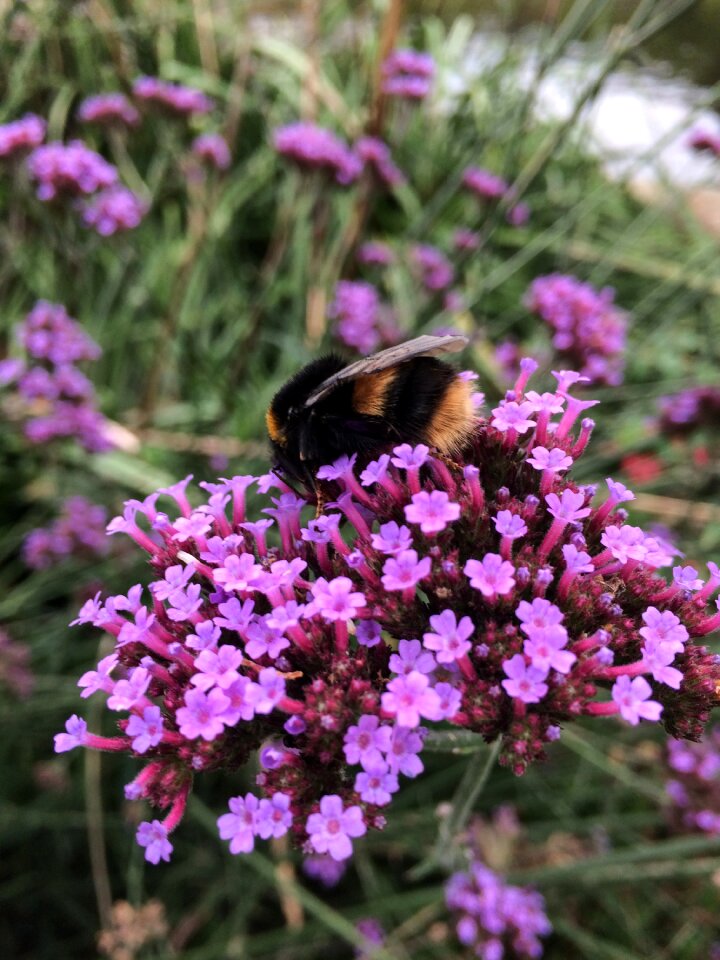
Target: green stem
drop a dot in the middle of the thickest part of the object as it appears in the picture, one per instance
(471, 786)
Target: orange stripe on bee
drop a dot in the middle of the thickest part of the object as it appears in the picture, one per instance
(370, 392)
(275, 431)
(453, 421)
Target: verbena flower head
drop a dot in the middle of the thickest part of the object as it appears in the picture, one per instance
(114, 211)
(57, 398)
(376, 254)
(69, 169)
(484, 184)
(493, 918)
(21, 135)
(79, 530)
(172, 97)
(16, 674)
(589, 329)
(408, 74)
(212, 149)
(693, 784)
(315, 148)
(356, 311)
(690, 410)
(491, 593)
(436, 271)
(110, 109)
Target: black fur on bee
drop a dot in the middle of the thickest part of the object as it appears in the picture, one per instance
(400, 395)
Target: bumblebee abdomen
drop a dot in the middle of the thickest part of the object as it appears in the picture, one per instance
(372, 393)
(453, 419)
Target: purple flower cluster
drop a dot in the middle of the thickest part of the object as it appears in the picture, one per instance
(172, 97)
(114, 210)
(489, 186)
(16, 675)
(375, 254)
(315, 148)
(493, 918)
(694, 783)
(19, 135)
(69, 169)
(436, 271)
(689, 410)
(488, 593)
(589, 329)
(356, 310)
(374, 936)
(79, 529)
(212, 149)
(484, 184)
(408, 74)
(108, 108)
(58, 398)
(375, 154)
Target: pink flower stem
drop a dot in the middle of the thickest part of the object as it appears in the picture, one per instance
(337, 541)
(353, 487)
(238, 511)
(260, 543)
(705, 626)
(301, 640)
(564, 585)
(111, 744)
(353, 515)
(468, 670)
(607, 708)
(288, 705)
(477, 494)
(143, 540)
(541, 429)
(511, 437)
(389, 485)
(444, 477)
(413, 479)
(177, 810)
(546, 482)
(582, 441)
(625, 670)
(707, 591)
(341, 636)
(551, 537)
(667, 594)
(321, 552)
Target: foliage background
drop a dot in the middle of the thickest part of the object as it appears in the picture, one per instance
(202, 312)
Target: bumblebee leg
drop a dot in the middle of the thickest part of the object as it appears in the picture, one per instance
(448, 461)
(320, 501)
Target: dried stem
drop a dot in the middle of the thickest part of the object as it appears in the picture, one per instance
(389, 30)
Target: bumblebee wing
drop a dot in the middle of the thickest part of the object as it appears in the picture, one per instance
(425, 346)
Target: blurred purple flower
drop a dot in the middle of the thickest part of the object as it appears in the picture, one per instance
(108, 108)
(20, 135)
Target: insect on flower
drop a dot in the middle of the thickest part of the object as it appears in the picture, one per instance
(405, 393)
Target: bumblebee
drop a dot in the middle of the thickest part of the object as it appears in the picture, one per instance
(400, 395)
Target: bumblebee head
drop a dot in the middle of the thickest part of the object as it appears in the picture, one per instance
(288, 416)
